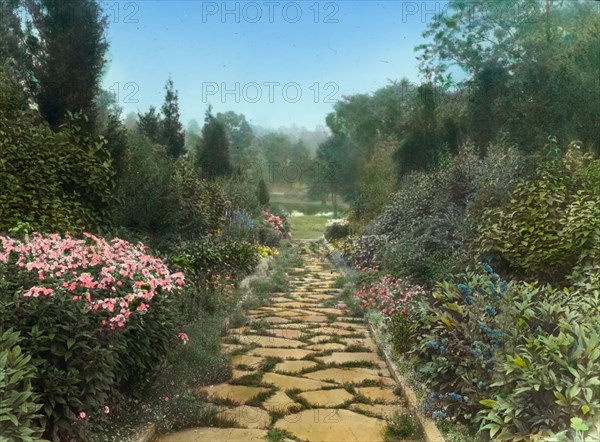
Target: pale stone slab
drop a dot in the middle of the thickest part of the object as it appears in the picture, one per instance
(312, 318)
(379, 394)
(291, 353)
(246, 416)
(286, 333)
(293, 325)
(329, 311)
(326, 398)
(235, 393)
(364, 342)
(237, 374)
(250, 361)
(280, 402)
(380, 410)
(326, 330)
(347, 375)
(322, 424)
(284, 382)
(294, 304)
(215, 434)
(342, 357)
(287, 313)
(270, 341)
(327, 346)
(294, 366)
(276, 320)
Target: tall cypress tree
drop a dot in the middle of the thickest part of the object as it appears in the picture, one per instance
(67, 47)
(172, 134)
(213, 155)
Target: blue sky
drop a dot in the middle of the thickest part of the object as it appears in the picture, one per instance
(279, 63)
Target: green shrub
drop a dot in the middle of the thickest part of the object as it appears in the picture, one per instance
(460, 338)
(75, 365)
(337, 231)
(550, 375)
(85, 352)
(55, 181)
(214, 256)
(145, 203)
(517, 358)
(403, 332)
(552, 222)
(19, 405)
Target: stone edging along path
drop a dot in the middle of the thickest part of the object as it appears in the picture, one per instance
(302, 369)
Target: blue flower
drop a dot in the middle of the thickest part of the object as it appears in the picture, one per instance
(469, 299)
(464, 289)
(481, 385)
(454, 396)
(490, 310)
(432, 344)
(436, 396)
(438, 414)
(487, 268)
(503, 286)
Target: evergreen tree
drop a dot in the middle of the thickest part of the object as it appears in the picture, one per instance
(150, 124)
(172, 134)
(263, 193)
(213, 155)
(66, 46)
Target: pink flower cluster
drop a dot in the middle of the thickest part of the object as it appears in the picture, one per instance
(389, 295)
(116, 277)
(274, 221)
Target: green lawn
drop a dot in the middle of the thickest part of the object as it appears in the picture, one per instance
(308, 226)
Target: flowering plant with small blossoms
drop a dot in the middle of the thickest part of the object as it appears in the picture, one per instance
(115, 276)
(388, 295)
(274, 221)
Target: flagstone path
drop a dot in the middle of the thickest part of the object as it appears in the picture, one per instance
(304, 367)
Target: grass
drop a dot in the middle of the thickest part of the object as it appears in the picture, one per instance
(308, 226)
(401, 427)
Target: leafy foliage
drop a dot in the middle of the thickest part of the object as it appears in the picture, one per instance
(521, 357)
(19, 405)
(94, 317)
(55, 181)
(552, 221)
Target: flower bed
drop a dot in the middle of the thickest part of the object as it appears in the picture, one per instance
(95, 317)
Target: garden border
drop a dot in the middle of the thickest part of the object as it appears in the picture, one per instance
(430, 429)
(147, 433)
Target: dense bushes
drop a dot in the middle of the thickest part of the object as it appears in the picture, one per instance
(55, 181)
(552, 222)
(429, 224)
(518, 358)
(94, 318)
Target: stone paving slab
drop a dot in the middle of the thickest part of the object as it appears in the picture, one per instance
(335, 425)
(216, 434)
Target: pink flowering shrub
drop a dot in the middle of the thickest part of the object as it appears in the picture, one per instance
(275, 221)
(388, 295)
(96, 318)
(396, 299)
(115, 277)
